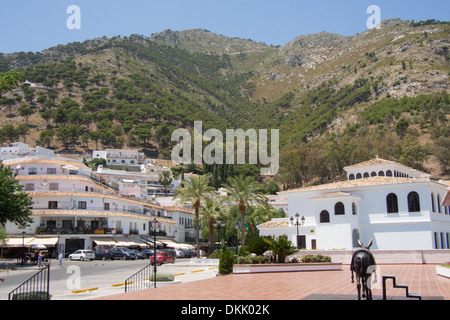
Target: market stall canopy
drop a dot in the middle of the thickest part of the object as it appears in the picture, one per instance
(17, 242)
(130, 242)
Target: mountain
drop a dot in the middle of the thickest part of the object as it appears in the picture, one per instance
(331, 96)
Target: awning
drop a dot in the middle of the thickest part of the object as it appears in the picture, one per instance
(43, 241)
(105, 241)
(124, 242)
(17, 242)
(176, 245)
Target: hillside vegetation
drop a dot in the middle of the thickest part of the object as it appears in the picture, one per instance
(336, 100)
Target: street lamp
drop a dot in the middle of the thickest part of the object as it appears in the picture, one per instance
(23, 247)
(217, 225)
(297, 223)
(237, 226)
(155, 225)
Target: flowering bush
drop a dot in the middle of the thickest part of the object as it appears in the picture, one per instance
(314, 258)
(446, 264)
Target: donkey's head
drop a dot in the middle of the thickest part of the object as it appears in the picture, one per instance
(365, 247)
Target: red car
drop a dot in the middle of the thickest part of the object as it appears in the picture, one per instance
(162, 257)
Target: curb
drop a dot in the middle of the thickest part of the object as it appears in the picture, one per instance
(84, 290)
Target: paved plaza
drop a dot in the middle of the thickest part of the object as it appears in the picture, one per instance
(329, 285)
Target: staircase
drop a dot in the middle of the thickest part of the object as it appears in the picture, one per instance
(408, 295)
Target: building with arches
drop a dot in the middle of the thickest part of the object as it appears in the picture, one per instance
(398, 207)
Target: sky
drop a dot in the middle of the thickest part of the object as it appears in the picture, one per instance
(35, 25)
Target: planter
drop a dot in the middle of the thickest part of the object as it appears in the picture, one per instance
(285, 267)
(443, 271)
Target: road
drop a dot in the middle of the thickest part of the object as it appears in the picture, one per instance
(100, 278)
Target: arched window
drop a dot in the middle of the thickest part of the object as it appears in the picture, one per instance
(389, 173)
(392, 203)
(324, 217)
(366, 174)
(339, 208)
(373, 174)
(439, 202)
(432, 202)
(351, 177)
(355, 238)
(381, 173)
(354, 212)
(413, 202)
(358, 176)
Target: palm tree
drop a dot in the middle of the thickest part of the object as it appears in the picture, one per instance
(245, 192)
(195, 190)
(210, 211)
(165, 179)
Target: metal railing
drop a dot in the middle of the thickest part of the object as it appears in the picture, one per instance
(35, 288)
(140, 280)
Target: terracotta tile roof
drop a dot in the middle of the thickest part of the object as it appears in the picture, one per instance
(274, 224)
(58, 161)
(332, 195)
(366, 182)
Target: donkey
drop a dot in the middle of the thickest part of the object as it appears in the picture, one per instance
(361, 261)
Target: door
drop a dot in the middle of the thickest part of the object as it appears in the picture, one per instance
(301, 242)
(313, 244)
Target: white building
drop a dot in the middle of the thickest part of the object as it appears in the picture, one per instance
(120, 157)
(76, 209)
(396, 206)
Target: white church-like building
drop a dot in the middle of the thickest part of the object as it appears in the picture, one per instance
(398, 207)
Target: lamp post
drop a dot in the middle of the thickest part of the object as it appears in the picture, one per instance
(297, 223)
(217, 225)
(155, 225)
(23, 247)
(237, 226)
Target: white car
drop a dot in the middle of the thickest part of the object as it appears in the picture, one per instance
(82, 255)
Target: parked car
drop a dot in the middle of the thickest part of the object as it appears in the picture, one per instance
(123, 253)
(82, 255)
(147, 252)
(162, 257)
(107, 254)
(139, 255)
(179, 253)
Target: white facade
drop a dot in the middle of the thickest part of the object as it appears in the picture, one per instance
(398, 213)
(71, 201)
(120, 157)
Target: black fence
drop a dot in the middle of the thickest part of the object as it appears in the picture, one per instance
(35, 288)
(140, 280)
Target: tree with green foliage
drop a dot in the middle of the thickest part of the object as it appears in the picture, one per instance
(281, 247)
(9, 80)
(226, 261)
(245, 192)
(195, 190)
(14, 203)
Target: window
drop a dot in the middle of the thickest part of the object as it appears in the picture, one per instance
(381, 173)
(351, 177)
(53, 204)
(355, 238)
(392, 203)
(32, 171)
(432, 203)
(358, 176)
(413, 202)
(366, 175)
(339, 208)
(354, 212)
(53, 186)
(373, 174)
(29, 187)
(106, 206)
(51, 170)
(389, 173)
(81, 204)
(439, 202)
(324, 217)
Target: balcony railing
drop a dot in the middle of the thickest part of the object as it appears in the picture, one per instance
(136, 211)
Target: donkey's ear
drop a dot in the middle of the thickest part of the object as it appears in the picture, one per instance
(360, 244)
(369, 244)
